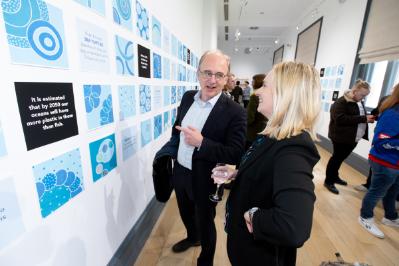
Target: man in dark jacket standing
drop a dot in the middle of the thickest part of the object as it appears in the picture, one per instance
(211, 129)
(348, 125)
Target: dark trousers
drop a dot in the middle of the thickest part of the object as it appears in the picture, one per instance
(197, 216)
(340, 153)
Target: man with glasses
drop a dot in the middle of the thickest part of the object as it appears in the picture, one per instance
(210, 128)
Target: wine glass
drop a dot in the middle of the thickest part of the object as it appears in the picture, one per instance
(220, 177)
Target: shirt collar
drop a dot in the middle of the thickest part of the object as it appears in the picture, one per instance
(211, 101)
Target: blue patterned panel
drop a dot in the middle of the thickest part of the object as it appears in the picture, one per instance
(166, 68)
(173, 117)
(173, 95)
(98, 102)
(156, 32)
(35, 33)
(180, 50)
(127, 102)
(146, 132)
(122, 13)
(145, 98)
(174, 46)
(129, 141)
(157, 66)
(182, 73)
(143, 28)
(97, 5)
(166, 120)
(58, 180)
(166, 96)
(124, 50)
(157, 126)
(103, 156)
(166, 40)
(180, 92)
(3, 149)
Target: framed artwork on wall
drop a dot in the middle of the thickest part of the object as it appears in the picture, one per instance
(278, 55)
(308, 43)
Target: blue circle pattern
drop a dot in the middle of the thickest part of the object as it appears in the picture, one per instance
(142, 21)
(116, 16)
(106, 114)
(145, 99)
(92, 97)
(157, 126)
(157, 66)
(36, 45)
(56, 189)
(124, 8)
(173, 97)
(125, 56)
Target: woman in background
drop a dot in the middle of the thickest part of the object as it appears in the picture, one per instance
(269, 210)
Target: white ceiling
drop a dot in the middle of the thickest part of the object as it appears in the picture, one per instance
(273, 17)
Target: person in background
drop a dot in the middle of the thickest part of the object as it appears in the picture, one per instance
(209, 129)
(256, 121)
(228, 88)
(384, 161)
(348, 125)
(237, 93)
(246, 93)
(270, 209)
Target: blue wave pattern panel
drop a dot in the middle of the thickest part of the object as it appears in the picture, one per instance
(124, 50)
(122, 13)
(145, 98)
(35, 33)
(181, 90)
(103, 156)
(166, 40)
(143, 27)
(97, 5)
(173, 116)
(173, 95)
(98, 102)
(166, 120)
(157, 126)
(166, 96)
(166, 68)
(156, 32)
(127, 102)
(157, 66)
(58, 180)
(146, 132)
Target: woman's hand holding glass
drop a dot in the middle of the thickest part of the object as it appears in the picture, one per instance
(220, 174)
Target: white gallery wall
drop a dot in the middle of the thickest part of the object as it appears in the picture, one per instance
(244, 66)
(83, 109)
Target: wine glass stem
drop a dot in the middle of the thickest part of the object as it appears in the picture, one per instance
(217, 189)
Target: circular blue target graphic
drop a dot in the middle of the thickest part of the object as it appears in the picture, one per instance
(45, 40)
(124, 8)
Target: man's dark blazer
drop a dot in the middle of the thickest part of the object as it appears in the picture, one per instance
(224, 139)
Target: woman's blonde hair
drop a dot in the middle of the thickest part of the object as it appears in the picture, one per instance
(296, 100)
(392, 100)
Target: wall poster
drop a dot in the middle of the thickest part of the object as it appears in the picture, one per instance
(47, 112)
(144, 61)
(98, 102)
(122, 13)
(124, 50)
(103, 156)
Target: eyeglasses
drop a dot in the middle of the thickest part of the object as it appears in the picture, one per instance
(208, 75)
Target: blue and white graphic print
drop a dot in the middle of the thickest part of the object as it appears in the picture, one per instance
(143, 27)
(173, 116)
(156, 32)
(180, 91)
(157, 65)
(166, 120)
(166, 96)
(3, 149)
(124, 50)
(97, 5)
(122, 13)
(182, 73)
(58, 180)
(174, 46)
(129, 141)
(166, 40)
(180, 50)
(145, 99)
(127, 102)
(173, 95)
(157, 126)
(166, 68)
(35, 33)
(102, 156)
(98, 102)
(146, 132)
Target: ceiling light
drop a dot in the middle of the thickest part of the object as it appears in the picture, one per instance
(236, 49)
(297, 27)
(253, 27)
(276, 41)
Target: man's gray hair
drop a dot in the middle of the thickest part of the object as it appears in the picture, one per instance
(216, 52)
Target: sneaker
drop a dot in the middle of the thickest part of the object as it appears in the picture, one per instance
(370, 226)
(361, 188)
(389, 222)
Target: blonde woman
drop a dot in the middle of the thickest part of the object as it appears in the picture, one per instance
(269, 211)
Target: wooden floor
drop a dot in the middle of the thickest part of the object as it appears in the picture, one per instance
(335, 229)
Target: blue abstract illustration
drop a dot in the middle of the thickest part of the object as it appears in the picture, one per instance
(98, 102)
(180, 50)
(11, 223)
(182, 73)
(173, 116)
(124, 50)
(334, 71)
(122, 13)
(166, 121)
(156, 32)
(58, 180)
(166, 96)
(184, 53)
(143, 27)
(157, 126)
(127, 101)
(180, 91)
(173, 95)
(102, 156)
(97, 5)
(129, 142)
(174, 71)
(146, 132)
(338, 83)
(157, 63)
(35, 33)
(166, 40)
(145, 99)
(156, 97)
(166, 68)
(3, 149)
(340, 70)
(174, 46)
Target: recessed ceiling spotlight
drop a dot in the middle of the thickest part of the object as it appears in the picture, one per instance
(297, 27)
(253, 27)
(276, 41)
(236, 49)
